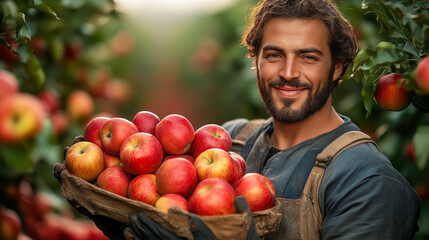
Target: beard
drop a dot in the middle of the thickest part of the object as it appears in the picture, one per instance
(285, 114)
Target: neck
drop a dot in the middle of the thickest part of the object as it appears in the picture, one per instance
(287, 135)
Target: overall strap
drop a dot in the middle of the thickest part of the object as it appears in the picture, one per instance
(258, 127)
(348, 139)
(299, 177)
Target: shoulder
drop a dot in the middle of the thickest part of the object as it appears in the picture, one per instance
(363, 169)
(233, 127)
(361, 184)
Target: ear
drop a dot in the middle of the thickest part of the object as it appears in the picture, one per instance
(338, 70)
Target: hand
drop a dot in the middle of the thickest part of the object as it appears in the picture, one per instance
(111, 228)
(143, 227)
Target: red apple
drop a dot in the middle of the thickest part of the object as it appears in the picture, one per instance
(176, 176)
(210, 136)
(48, 228)
(410, 151)
(85, 160)
(50, 100)
(21, 117)
(422, 75)
(80, 105)
(114, 179)
(187, 157)
(41, 205)
(9, 84)
(258, 191)
(60, 122)
(110, 160)
(146, 121)
(239, 171)
(390, 95)
(240, 159)
(169, 200)
(92, 130)
(216, 162)
(10, 224)
(141, 153)
(175, 133)
(143, 188)
(117, 91)
(114, 132)
(212, 196)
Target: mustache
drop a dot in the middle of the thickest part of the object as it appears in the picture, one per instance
(290, 83)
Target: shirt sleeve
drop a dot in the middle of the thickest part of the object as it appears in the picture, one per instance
(364, 197)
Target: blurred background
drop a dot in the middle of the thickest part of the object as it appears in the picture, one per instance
(65, 62)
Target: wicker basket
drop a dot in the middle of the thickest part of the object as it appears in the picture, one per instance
(98, 201)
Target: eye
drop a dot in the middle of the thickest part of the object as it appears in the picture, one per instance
(310, 58)
(272, 56)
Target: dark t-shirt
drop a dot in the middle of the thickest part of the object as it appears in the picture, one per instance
(361, 195)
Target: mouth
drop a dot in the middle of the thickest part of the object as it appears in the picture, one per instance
(289, 92)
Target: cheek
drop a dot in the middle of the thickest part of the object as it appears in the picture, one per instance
(267, 71)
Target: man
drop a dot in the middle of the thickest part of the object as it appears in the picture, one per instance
(301, 49)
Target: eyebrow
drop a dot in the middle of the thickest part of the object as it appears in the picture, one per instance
(299, 51)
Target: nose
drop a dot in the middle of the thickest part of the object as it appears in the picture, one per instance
(289, 70)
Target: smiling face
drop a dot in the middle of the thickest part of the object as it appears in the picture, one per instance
(295, 73)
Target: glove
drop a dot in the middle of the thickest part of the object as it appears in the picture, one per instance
(143, 227)
(111, 228)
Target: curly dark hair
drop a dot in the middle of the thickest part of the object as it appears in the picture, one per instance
(342, 41)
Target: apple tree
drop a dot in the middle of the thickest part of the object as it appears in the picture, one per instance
(58, 51)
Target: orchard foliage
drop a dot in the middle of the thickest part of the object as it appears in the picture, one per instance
(405, 25)
(55, 49)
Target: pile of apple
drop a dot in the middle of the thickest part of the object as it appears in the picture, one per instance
(39, 218)
(165, 163)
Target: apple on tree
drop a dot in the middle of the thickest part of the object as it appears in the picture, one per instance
(10, 224)
(143, 188)
(210, 136)
(114, 132)
(422, 75)
(216, 162)
(114, 179)
(258, 191)
(390, 93)
(85, 160)
(141, 153)
(21, 117)
(169, 200)
(80, 105)
(146, 121)
(9, 84)
(176, 176)
(175, 133)
(212, 197)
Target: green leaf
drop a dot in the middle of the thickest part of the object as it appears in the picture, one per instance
(421, 145)
(73, 4)
(387, 54)
(411, 49)
(22, 27)
(369, 88)
(380, 10)
(45, 147)
(362, 56)
(34, 71)
(39, 5)
(18, 156)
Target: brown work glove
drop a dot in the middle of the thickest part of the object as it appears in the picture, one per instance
(111, 228)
